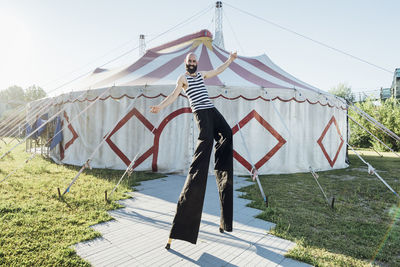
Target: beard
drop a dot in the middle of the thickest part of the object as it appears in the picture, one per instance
(191, 68)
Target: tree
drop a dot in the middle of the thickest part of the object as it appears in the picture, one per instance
(10, 99)
(343, 90)
(34, 92)
(13, 94)
(386, 112)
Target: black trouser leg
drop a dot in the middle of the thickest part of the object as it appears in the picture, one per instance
(224, 169)
(190, 205)
(186, 223)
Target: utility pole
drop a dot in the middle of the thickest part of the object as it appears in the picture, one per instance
(218, 36)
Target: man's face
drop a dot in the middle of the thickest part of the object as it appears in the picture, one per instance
(191, 64)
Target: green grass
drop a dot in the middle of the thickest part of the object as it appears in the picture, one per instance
(39, 229)
(354, 233)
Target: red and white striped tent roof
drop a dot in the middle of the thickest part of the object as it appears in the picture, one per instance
(162, 65)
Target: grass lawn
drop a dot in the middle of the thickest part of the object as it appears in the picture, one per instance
(363, 228)
(37, 228)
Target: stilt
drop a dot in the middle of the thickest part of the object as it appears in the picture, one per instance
(168, 246)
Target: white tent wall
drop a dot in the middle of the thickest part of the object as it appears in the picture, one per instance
(305, 117)
(169, 147)
(133, 137)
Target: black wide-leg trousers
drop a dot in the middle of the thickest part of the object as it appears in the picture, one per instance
(212, 126)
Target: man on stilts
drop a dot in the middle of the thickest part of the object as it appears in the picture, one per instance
(212, 126)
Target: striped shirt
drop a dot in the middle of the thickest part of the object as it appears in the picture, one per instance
(197, 93)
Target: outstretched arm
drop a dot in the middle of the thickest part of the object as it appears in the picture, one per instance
(212, 73)
(170, 98)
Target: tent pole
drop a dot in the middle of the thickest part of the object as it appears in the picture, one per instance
(99, 145)
(48, 141)
(12, 117)
(373, 136)
(128, 171)
(14, 128)
(37, 129)
(374, 122)
(33, 115)
(372, 170)
(253, 172)
(315, 175)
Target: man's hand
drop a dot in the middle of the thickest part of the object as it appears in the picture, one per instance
(155, 109)
(233, 56)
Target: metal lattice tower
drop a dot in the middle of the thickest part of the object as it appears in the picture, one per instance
(218, 36)
(142, 45)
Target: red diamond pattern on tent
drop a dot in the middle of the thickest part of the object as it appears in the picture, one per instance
(281, 141)
(70, 142)
(160, 129)
(74, 134)
(331, 162)
(125, 119)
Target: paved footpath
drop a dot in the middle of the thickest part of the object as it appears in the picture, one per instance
(139, 233)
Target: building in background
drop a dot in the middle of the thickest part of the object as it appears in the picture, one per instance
(395, 89)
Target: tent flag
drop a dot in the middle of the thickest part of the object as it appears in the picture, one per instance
(39, 123)
(28, 129)
(58, 136)
(32, 128)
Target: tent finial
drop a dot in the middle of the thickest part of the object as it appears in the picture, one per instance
(218, 36)
(142, 45)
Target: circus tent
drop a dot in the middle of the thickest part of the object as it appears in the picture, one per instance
(280, 124)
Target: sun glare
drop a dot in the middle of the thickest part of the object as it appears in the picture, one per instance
(15, 45)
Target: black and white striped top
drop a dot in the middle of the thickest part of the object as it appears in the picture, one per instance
(197, 93)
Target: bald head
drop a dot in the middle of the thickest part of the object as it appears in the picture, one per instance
(190, 57)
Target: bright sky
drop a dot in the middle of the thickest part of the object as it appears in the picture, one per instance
(48, 43)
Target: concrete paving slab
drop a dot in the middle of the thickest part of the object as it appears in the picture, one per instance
(138, 235)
